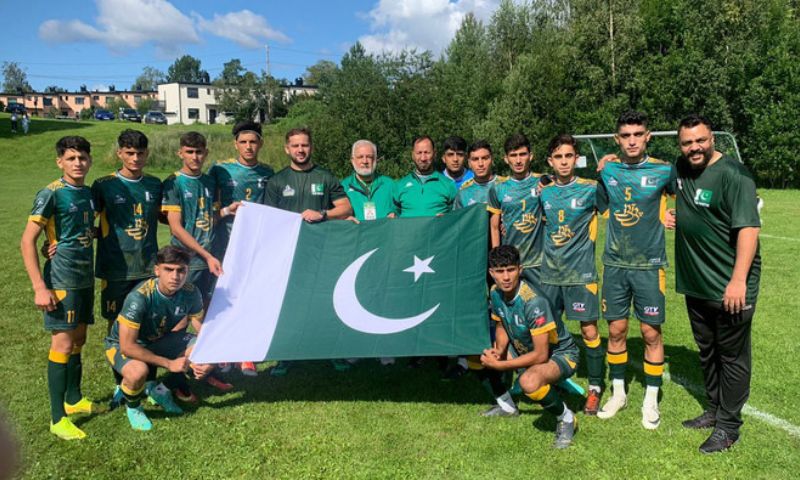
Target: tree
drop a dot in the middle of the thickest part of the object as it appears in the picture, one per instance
(15, 80)
(148, 80)
(232, 73)
(187, 70)
(146, 104)
(320, 73)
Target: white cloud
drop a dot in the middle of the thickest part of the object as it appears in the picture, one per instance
(244, 27)
(127, 23)
(421, 24)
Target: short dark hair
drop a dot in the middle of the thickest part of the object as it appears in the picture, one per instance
(174, 255)
(503, 256)
(421, 138)
(132, 139)
(477, 145)
(516, 141)
(562, 139)
(632, 117)
(455, 143)
(193, 140)
(72, 142)
(693, 120)
(246, 126)
(299, 131)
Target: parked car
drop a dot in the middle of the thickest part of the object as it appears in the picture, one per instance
(130, 115)
(17, 108)
(155, 117)
(103, 115)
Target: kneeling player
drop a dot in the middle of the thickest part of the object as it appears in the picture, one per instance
(150, 331)
(540, 344)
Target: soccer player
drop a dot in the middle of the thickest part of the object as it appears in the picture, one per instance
(65, 291)
(514, 202)
(569, 274)
(454, 149)
(238, 180)
(370, 193)
(310, 190)
(424, 192)
(150, 331)
(539, 344)
(635, 188)
(718, 269)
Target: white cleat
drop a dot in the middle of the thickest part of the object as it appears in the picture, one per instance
(651, 417)
(612, 406)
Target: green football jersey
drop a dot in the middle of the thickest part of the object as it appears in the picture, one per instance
(636, 195)
(427, 196)
(237, 182)
(128, 213)
(372, 201)
(195, 199)
(473, 192)
(298, 191)
(527, 315)
(154, 314)
(570, 214)
(712, 205)
(66, 213)
(518, 203)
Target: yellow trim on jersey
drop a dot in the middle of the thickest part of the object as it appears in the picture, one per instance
(58, 357)
(617, 358)
(569, 361)
(586, 181)
(50, 231)
(493, 210)
(543, 329)
(38, 219)
(662, 208)
(654, 370)
(662, 281)
(539, 394)
(592, 343)
(196, 316)
(526, 292)
(592, 287)
(466, 184)
(105, 228)
(593, 227)
(604, 213)
(474, 363)
(128, 323)
(496, 318)
(59, 294)
(170, 208)
(103, 284)
(656, 160)
(110, 353)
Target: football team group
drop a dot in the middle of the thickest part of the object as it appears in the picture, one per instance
(543, 229)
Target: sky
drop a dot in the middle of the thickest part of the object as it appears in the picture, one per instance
(98, 43)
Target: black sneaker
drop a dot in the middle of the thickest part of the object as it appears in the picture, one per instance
(454, 373)
(719, 441)
(497, 411)
(565, 431)
(706, 420)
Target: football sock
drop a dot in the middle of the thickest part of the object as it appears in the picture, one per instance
(595, 388)
(549, 399)
(132, 397)
(617, 364)
(567, 416)
(618, 387)
(595, 366)
(57, 383)
(462, 362)
(74, 373)
(653, 373)
(506, 403)
(651, 395)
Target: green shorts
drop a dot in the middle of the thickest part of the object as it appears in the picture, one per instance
(112, 296)
(73, 307)
(533, 275)
(204, 281)
(171, 346)
(579, 302)
(567, 364)
(645, 287)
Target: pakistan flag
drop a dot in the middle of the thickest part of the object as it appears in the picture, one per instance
(390, 287)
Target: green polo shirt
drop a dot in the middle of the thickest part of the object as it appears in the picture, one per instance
(370, 201)
(424, 197)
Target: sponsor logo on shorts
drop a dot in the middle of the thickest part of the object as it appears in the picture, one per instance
(651, 311)
(578, 307)
(288, 191)
(655, 260)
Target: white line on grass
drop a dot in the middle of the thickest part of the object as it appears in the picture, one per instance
(765, 417)
(777, 237)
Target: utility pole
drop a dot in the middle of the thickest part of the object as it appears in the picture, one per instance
(269, 93)
(267, 48)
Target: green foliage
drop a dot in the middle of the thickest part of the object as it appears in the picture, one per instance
(87, 113)
(148, 80)
(320, 73)
(187, 70)
(15, 79)
(145, 105)
(232, 72)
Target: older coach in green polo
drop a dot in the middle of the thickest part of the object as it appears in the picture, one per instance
(718, 270)
(370, 193)
(424, 192)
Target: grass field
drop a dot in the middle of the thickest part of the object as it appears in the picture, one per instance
(382, 422)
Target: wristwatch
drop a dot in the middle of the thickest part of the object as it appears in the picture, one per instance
(324, 214)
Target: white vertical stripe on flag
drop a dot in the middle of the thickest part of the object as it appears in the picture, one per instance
(247, 300)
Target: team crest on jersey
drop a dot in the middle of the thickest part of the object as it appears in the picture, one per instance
(260, 182)
(534, 192)
(630, 216)
(578, 307)
(547, 205)
(288, 191)
(139, 230)
(179, 311)
(526, 224)
(317, 189)
(577, 203)
(204, 222)
(149, 197)
(702, 198)
(612, 182)
(119, 199)
(649, 182)
(680, 184)
(562, 236)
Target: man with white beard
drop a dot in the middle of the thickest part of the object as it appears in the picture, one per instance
(370, 193)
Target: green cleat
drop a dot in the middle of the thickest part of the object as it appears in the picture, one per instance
(138, 419)
(280, 369)
(66, 430)
(84, 405)
(161, 396)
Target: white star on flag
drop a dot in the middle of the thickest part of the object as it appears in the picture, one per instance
(420, 267)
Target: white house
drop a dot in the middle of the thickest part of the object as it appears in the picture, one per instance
(189, 103)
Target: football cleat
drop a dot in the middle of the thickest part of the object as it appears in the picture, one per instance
(565, 431)
(651, 417)
(280, 369)
(219, 384)
(612, 406)
(117, 400)
(592, 404)
(66, 430)
(224, 367)
(138, 419)
(497, 411)
(719, 441)
(706, 420)
(161, 396)
(84, 405)
(184, 394)
(248, 369)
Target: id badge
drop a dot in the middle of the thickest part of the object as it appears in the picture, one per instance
(370, 212)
